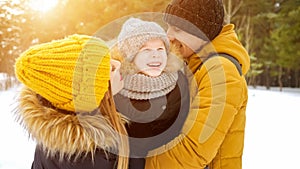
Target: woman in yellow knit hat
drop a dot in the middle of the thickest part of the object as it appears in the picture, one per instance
(67, 104)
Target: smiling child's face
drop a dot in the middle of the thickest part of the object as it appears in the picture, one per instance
(151, 58)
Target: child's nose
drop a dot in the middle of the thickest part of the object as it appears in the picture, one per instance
(155, 56)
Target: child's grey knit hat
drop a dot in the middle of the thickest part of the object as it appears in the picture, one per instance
(135, 33)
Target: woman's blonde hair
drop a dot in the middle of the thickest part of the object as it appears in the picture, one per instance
(108, 109)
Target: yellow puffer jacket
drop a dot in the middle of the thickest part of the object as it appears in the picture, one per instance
(213, 133)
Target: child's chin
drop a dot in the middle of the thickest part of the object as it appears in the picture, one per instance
(154, 73)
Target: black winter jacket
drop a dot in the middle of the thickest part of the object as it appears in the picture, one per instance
(41, 161)
(144, 136)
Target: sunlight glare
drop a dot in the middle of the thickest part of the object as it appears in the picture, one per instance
(42, 5)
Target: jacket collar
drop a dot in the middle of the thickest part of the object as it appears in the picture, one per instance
(226, 42)
(196, 60)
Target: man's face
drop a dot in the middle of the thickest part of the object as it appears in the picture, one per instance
(185, 42)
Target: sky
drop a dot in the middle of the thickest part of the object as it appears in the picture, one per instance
(271, 141)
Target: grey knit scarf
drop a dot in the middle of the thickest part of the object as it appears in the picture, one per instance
(142, 87)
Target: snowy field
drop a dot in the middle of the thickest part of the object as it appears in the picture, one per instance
(272, 138)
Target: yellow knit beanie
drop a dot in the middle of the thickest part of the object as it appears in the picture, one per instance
(72, 73)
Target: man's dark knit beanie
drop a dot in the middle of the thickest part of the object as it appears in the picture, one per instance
(206, 15)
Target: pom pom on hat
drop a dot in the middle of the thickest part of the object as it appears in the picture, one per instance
(135, 33)
(72, 73)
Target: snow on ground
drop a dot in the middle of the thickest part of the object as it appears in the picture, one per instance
(271, 141)
(272, 129)
(16, 149)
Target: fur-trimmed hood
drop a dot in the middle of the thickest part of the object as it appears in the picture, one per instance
(68, 134)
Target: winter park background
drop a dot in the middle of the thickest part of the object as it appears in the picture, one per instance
(269, 29)
(271, 139)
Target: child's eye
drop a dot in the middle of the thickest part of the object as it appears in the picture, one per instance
(161, 49)
(146, 50)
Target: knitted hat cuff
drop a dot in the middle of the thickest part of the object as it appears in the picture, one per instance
(183, 19)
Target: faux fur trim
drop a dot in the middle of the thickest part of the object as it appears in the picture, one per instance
(68, 135)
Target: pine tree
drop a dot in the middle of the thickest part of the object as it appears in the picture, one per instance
(286, 39)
